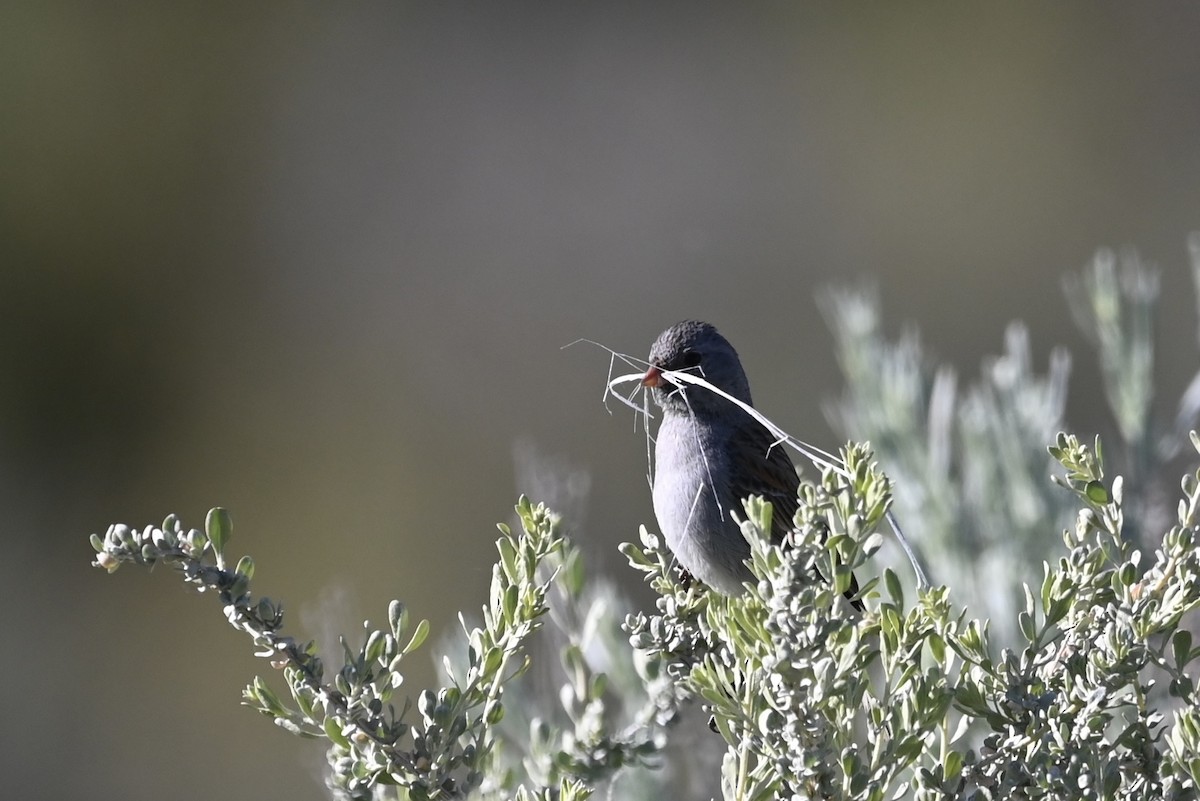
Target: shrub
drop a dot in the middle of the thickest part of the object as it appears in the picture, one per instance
(1090, 693)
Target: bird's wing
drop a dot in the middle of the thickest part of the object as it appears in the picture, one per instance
(764, 468)
(767, 470)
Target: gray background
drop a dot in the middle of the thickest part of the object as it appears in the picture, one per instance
(315, 262)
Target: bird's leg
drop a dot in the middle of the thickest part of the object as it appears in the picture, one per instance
(685, 579)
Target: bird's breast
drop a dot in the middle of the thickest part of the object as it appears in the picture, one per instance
(689, 488)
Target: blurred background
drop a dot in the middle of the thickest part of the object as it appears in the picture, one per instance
(316, 263)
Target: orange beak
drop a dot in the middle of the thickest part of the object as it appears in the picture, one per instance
(653, 377)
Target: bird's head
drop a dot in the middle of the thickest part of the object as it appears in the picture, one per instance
(695, 347)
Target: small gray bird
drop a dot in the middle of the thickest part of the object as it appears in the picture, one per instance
(710, 455)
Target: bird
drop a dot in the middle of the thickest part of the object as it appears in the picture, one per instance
(710, 455)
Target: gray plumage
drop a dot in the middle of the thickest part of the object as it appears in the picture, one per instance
(710, 455)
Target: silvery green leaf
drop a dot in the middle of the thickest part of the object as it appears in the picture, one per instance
(1181, 647)
(219, 527)
(418, 637)
(894, 588)
(334, 732)
(374, 647)
(508, 556)
(1096, 492)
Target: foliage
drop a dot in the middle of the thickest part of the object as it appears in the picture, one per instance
(1089, 690)
(813, 699)
(968, 460)
(815, 702)
(614, 705)
(443, 749)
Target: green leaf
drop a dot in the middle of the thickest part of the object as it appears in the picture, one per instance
(492, 659)
(265, 697)
(219, 527)
(893, 586)
(953, 765)
(374, 647)
(969, 697)
(1096, 492)
(422, 631)
(245, 567)
(397, 618)
(305, 700)
(1058, 610)
(334, 732)
(1025, 620)
(1181, 647)
(508, 556)
(937, 647)
(508, 603)
(1047, 586)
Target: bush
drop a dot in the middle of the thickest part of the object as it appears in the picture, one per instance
(1090, 694)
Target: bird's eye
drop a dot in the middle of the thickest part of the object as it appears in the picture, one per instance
(689, 359)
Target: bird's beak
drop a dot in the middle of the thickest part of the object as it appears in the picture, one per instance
(653, 377)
